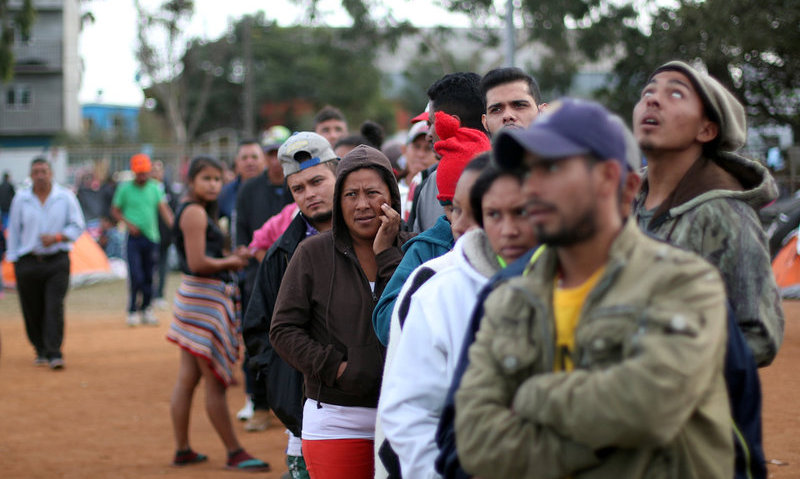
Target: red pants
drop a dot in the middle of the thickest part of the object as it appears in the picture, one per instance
(340, 458)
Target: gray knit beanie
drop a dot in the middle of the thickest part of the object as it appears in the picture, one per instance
(721, 106)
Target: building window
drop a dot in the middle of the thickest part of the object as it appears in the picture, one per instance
(19, 98)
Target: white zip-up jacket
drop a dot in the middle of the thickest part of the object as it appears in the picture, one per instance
(419, 373)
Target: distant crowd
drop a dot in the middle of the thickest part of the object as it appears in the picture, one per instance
(518, 288)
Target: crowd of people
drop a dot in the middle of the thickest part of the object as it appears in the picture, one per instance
(520, 288)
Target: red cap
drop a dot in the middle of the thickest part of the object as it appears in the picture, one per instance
(421, 117)
(140, 163)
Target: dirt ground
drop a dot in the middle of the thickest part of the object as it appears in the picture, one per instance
(107, 413)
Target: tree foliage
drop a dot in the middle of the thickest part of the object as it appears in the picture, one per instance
(296, 71)
(750, 46)
(160, 44)
(22, 20)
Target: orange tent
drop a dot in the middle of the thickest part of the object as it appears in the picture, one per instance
(87, 261)
(786, 265)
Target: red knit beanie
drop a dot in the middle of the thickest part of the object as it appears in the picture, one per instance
(457, 145)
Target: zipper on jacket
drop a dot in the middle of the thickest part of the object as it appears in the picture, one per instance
(364, 276)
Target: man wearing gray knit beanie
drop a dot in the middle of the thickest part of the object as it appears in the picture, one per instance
(697, 193)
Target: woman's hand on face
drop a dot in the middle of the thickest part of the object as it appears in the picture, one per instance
(390, 226)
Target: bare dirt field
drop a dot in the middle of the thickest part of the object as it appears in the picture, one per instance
(107, 413)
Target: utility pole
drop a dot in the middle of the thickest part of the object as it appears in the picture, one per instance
(247, 92)
(510, 43)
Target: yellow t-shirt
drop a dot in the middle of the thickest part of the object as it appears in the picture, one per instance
(567, 305)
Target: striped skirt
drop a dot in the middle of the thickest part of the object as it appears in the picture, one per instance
(206, 323)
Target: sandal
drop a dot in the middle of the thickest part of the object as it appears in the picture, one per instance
(187, 456)
(240, 460)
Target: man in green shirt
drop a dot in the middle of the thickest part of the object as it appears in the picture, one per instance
(138, 203)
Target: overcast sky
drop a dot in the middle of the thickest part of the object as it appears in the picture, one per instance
(107, 45)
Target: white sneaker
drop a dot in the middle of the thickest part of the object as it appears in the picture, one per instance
(133, 319)
(246, 412)
(160, 304)
(148, 317)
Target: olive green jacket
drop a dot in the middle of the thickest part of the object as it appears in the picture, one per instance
(647, 398)
(712, 212)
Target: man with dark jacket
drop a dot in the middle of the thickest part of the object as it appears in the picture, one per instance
(258, 199)
(309, 165)
(457, 94)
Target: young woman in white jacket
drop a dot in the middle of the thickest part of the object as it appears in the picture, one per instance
(424, 352)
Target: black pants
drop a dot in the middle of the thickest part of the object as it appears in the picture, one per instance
(42, 284)
(255, 384)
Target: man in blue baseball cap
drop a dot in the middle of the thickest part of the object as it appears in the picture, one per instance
(604, 359)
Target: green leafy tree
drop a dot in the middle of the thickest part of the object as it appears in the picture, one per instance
(160, 64)
(21, 20)
(751, 48)
(296, 70)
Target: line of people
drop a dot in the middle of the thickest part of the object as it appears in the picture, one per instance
(535, 327)
(529, 301)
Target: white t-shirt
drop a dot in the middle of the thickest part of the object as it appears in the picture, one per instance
(337, 422)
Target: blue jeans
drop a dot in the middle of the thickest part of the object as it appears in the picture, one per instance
(141, 260)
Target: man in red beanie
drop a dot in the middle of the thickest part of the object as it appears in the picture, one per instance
(457, 94)
(138, 203)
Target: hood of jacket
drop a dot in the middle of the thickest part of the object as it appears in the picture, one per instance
(728, 175)
(474, 252)
(362, 156)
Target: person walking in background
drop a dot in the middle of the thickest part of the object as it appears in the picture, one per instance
(44, 221)
(138, 203)
(206, 320)
(6, 195)
(165, 236)
(321, 323)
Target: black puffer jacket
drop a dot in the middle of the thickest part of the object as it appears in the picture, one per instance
(284, 383)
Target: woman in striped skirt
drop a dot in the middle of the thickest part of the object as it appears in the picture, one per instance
(206, 322)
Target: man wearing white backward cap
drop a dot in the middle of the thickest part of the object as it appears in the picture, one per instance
(309, 166)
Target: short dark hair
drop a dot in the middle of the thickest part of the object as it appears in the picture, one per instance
(328, 113)
(247, 141)
(459, 94)
(371, 134)
(501, 76)
(39, 160)
(482, 184)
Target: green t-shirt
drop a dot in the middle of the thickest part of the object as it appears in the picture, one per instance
(139, 204)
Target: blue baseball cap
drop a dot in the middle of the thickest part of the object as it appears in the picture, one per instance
(569, 127)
